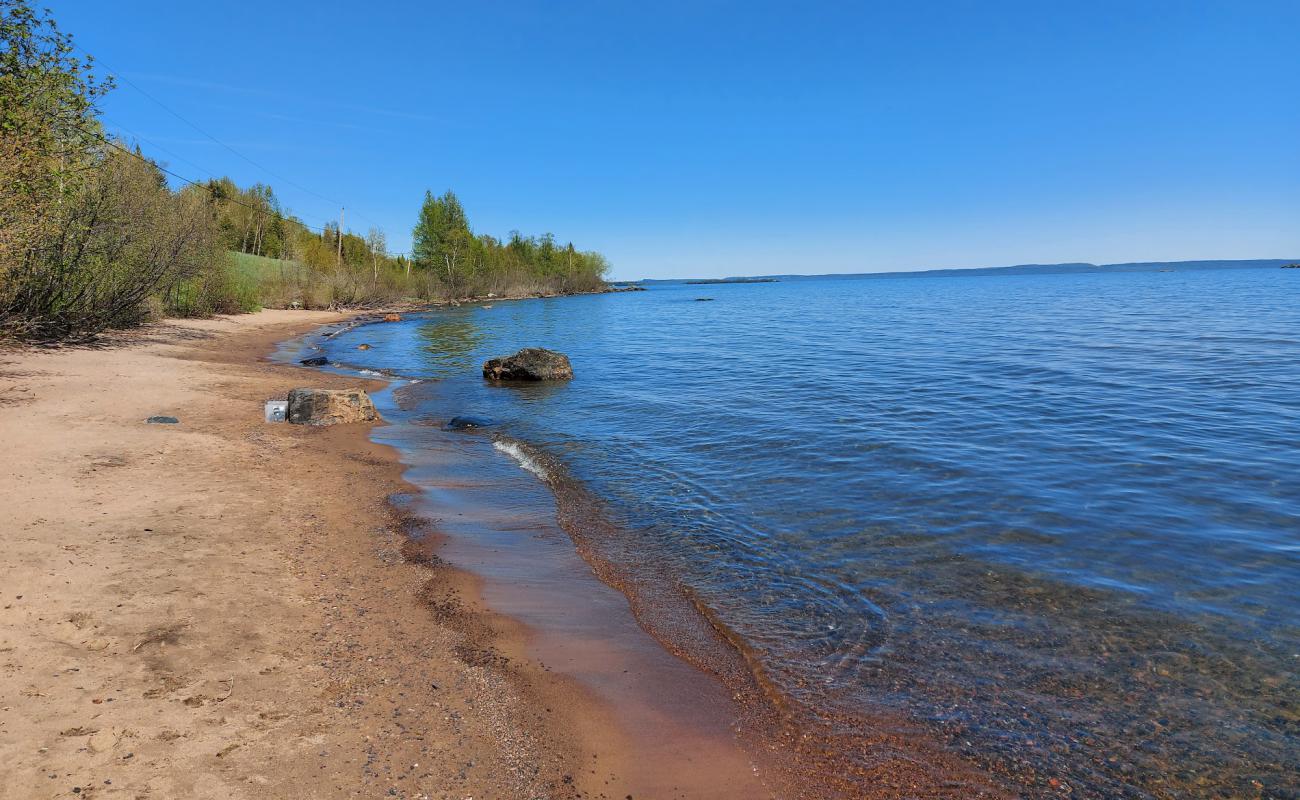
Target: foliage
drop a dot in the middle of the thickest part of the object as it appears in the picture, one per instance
(461, 264)
(114, 242)
(92, 237)
(92, 234)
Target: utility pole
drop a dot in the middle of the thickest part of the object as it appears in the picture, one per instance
(340, 256)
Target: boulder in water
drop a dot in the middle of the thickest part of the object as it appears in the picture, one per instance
(315, 361)
(330, 407)
(529, 364)
(467, 423)
(363, 347)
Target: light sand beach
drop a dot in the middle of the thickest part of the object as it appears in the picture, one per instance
(223, 608)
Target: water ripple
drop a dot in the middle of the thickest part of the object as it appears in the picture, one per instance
(1056, 518)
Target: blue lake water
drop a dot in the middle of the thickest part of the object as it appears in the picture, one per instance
(1054, 520)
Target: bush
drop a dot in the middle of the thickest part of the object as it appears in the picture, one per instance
(99, 256)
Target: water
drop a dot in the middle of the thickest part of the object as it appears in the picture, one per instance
(1052, 522)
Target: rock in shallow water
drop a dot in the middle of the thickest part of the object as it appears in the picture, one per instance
(466, 423)
(529, 364)
(315, 361)
(330, 407)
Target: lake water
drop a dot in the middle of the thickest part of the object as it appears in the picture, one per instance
(1051, 521)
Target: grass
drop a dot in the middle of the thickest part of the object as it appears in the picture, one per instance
(261, 281)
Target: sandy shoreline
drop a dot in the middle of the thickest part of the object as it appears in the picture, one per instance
(224, 608)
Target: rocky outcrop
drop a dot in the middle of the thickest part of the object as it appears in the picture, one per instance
(529, 364)
(330, 407)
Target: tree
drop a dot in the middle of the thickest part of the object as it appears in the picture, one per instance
(378, 246)
(48, 126)
(441, 218)
(441, 237)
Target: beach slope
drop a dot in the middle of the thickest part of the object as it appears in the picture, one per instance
(222, 608)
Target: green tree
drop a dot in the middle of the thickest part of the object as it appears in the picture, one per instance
(47, 126)
(441, 221)
(441, 238)
(377, 243)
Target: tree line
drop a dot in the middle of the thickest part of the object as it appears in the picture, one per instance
(92, 237)
(469, 265)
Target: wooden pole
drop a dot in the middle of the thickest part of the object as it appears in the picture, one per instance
(340, 255)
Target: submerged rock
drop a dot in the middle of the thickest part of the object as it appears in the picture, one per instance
(330, 407)
(363, 347)
(704, 299)
(162, 421)
(529, 364)
(392, 317)
(315, 361)
(466, 423)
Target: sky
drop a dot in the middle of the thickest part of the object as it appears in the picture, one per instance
(709, 139)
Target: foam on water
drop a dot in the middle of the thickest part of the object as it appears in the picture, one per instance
(515, 451)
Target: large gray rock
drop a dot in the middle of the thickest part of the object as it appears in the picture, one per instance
(330, 406)
(529, 364)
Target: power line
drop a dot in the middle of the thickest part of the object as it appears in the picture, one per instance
(178, 116)
(153, 144)
(206, 186)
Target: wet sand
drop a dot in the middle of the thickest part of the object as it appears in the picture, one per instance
(224, 608)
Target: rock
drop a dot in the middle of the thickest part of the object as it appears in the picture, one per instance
(162, 421)
(315, 361)
(529, 364)
(392, 318)
(330, 406)
(704, 299)
(466, 423)
(363, 347)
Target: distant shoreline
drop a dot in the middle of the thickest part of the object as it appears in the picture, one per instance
(1070, 268)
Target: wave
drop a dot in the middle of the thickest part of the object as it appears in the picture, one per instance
(524, 459)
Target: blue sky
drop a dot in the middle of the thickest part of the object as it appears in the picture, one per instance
(709, 138)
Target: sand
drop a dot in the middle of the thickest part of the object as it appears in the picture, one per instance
(224, 608)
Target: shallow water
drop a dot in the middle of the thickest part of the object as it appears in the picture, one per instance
(1052, 520)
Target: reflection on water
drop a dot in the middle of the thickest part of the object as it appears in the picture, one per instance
(450, 342)
(1056, 520)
